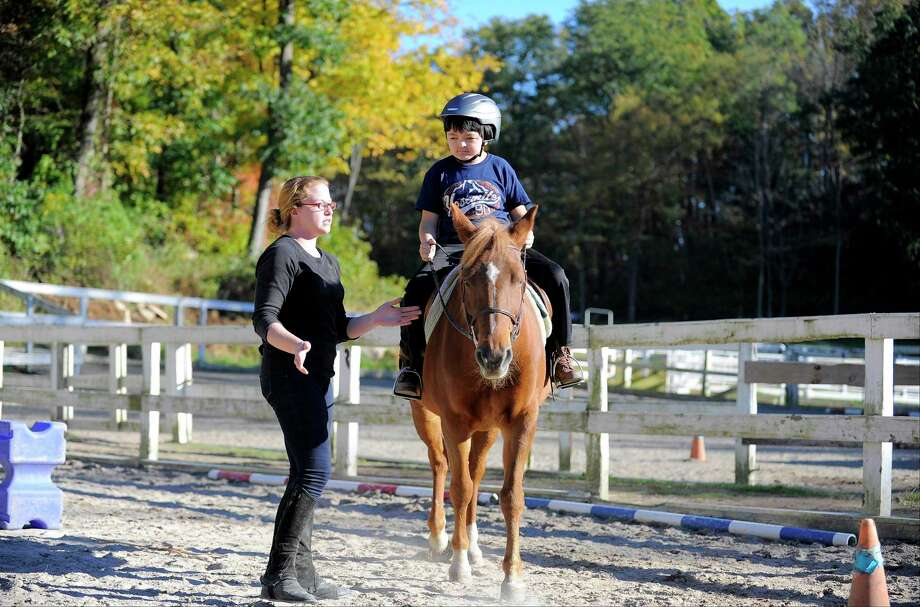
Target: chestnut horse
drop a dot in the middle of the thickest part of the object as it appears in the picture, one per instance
(485, 372)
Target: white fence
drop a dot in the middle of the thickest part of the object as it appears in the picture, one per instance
(33, 296)
(714, 371)
(172, 393)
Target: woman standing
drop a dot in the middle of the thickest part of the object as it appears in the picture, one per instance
(299, 315)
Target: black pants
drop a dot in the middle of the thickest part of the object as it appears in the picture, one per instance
(299, 402)
(545, 272)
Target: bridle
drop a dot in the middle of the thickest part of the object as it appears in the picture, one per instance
(469, 333)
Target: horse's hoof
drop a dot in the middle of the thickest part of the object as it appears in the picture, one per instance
(475, 555)
(460, 570)
(442, 556)
(439, 550)
(513, 591)
(460, 574)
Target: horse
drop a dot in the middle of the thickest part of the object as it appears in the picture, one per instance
(485, 372)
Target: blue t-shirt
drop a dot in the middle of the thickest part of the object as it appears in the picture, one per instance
(488, 189)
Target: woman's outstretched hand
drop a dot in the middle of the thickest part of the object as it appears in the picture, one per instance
(391, 314)
(300, 355)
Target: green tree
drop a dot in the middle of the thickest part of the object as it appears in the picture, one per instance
(882, 121)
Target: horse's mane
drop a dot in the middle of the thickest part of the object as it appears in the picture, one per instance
(490, 235)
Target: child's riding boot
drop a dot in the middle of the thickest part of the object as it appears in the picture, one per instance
(566, 370)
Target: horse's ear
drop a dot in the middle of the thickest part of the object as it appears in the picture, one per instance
(465, 228)
(520, 229)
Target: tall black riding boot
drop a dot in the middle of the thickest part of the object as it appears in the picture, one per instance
(280, 579)
(306, 571)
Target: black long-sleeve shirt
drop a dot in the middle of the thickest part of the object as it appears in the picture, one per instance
(305, 294)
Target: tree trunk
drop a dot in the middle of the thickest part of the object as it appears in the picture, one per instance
(633, 282)
(761, 237)
(354, 167)
(275, 135)
(17, 151)
(86, 180)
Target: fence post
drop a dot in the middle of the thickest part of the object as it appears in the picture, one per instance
(61, 377)
(332, 395)
(565, 451)
(346, 440)
(791, 390)
(30, 312)
(150, 418)
(118, 377)
(597, 444)
(176, 382)
(627, 368)
(878, 399)
(202, 322)
(704, 389)
(746, 403)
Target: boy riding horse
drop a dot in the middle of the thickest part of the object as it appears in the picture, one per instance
(482, 185)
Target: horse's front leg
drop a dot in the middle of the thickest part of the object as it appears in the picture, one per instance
(428, 426)
(482, 442)
(461, 491)
(518, 438)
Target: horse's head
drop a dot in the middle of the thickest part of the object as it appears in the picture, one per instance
(492, 287)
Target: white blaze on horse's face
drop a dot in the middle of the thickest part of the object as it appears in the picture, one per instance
(492, 273)
(493, 347)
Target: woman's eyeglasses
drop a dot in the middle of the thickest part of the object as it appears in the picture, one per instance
(317, 206)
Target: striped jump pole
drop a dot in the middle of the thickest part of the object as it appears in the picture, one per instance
(688, 521)
(619, 513)
(484, 498)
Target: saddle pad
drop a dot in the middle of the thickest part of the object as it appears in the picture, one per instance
(546, 326)
(447, 287)
(434, 312)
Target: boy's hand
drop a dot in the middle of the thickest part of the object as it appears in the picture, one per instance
(426, 249)
(529, 242)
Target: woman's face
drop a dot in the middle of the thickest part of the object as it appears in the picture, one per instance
(313, 212)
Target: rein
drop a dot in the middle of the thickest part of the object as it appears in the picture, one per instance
(489, 310)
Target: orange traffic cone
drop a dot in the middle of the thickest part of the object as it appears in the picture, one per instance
(698, 449)
(868, 588)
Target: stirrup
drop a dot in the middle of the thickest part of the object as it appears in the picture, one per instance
(568, 384)
(400, 379)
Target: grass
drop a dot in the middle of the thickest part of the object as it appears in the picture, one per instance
(653, 383)
(708, 489)
(248, 357)
(911, 499)
(229, 355)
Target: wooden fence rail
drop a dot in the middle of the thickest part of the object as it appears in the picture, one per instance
(173, 395)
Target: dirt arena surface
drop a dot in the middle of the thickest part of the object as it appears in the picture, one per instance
(163, 537)
(831, 478)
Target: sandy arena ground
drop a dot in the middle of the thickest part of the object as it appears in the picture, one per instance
(165, 537)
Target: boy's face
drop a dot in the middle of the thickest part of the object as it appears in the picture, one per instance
(464, 145)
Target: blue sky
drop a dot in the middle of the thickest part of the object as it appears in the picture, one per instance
(473, 12)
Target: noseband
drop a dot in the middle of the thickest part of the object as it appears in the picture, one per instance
(469, 333)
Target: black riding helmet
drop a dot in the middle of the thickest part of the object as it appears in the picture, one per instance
(479, 108)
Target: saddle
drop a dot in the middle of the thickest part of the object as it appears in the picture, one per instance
(533, 298)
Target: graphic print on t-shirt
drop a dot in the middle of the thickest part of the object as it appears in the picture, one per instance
(476, 198)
